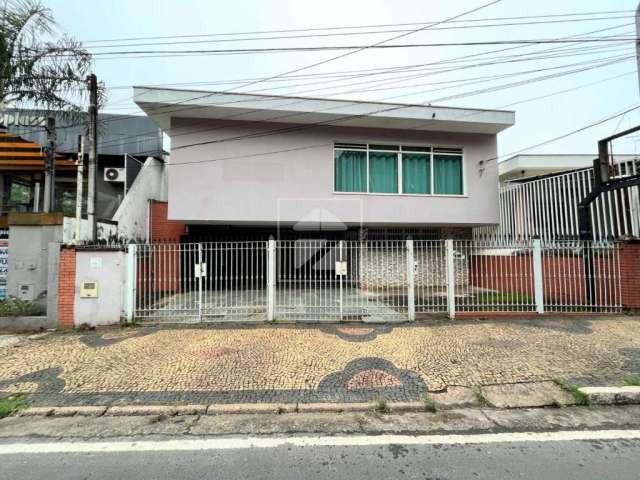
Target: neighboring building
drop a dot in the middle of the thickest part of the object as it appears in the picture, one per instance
(546, 206)
(22, 165)
(251, 166)
(124, 142)
(520, 167)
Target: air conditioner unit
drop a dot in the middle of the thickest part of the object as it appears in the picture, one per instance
(114, 174)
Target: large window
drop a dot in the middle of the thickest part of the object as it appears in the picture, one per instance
(400, 169)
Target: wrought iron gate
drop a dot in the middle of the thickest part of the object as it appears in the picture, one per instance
(370, 281)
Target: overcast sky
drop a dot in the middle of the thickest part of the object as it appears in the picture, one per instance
(536, 121)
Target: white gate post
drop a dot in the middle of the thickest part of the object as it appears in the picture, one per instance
(271, 279)
(200, 271)
(340, 245)
(130, 284)
(451, 279)
(411, 302)
(538, 279)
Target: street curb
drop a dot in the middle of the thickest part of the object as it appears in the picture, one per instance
(612, 395)
(597, 396)
(215, 409)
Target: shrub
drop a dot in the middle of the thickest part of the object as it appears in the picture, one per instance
(14, 307)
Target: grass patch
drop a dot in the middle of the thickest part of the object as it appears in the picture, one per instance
(580, 397)
(380, 405)
(12, 404)
(480, 397)
(632, 380)
(485, 301)
(430, 404)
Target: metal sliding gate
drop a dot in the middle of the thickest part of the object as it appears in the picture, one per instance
(387, 280)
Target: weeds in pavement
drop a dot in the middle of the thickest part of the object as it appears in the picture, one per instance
(554, 402)
(579, 396)
(482, 400)
(12, 404)
(380, 405)
(430, 404)
(632, 380)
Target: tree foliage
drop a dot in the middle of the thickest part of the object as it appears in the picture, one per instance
(39, 67)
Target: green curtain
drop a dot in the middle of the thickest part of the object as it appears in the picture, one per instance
(416, 174)
(350, 171)
(447, 174)
(383, 172)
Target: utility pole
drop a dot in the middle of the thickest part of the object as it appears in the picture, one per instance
(50, 166)
(638, 42)
(79, 188)
(93, 156)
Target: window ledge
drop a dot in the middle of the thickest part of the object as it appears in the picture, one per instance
(431, 195)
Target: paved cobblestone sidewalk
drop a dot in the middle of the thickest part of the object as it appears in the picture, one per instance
(326, 363)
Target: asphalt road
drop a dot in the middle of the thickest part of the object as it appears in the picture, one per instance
(457, 457)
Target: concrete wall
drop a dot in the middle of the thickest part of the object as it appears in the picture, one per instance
(234, 182)
(133, 214)
(107, 268)
(29, 257)
(104, 231)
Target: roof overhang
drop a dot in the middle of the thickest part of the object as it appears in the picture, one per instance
(162, 104)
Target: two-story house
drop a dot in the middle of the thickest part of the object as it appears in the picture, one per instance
(247, 166)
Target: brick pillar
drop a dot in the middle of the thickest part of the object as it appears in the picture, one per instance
(66, 287)
(630, 275)
(161, 229)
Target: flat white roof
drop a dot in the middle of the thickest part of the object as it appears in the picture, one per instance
(161, 104)
(553, 161)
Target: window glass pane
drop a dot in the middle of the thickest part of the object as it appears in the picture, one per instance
(447, 150)
(394, 148)
(447, 174)
(416, 174)
(351, 146)
(350, 171)
(383, 172)
(406, 148)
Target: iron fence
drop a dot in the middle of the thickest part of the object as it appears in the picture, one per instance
(392, 280)
(547, 208)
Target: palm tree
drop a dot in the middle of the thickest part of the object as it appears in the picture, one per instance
(39, 67)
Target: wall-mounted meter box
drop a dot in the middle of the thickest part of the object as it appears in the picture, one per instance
(89, 290)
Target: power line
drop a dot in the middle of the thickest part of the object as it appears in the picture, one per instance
(280, 117)
(598, 64)
(324, 145)
(378, 70)
(351, 48)
(366, 32)
(573, 132)
(351, 27)
(299, 69)
(381, 42)
(297, 101)
(170, 110)
(264, 79)
(296, 128)
(350, 74)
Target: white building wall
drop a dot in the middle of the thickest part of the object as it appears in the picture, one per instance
(235, 182)
(133, 214)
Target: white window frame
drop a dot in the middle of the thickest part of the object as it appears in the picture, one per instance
(431, 153)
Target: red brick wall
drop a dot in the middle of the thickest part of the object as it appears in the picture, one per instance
(160, 270)
(66, 287)
(630, 275)
(161, 229)
(563, 276)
